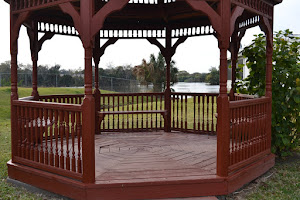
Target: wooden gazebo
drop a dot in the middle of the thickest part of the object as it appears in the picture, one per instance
(60, 142)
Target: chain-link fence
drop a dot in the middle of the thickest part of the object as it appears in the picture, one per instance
(76, 80)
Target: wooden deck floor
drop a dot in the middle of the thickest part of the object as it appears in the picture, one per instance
(153, 156)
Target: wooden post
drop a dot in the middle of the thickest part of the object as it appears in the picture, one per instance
(269, 68)
(15, 24)
(33, 37)
(88, 122)
(223, 126)
(14, 96)
(97, 93)
(234, 56)
(168, 57)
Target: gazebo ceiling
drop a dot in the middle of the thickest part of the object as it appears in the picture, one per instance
(146, 15)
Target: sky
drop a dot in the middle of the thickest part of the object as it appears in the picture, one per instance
(197, 54)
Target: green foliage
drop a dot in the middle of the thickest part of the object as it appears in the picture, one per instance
(213, 76)
(285, 86)
(184, 76)
(154, 72)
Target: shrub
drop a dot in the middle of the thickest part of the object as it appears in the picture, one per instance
(285, 86)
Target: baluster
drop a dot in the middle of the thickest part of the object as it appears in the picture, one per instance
(113, 97)
(22, 133)
(142, 99)
(151, 108)
(161, 108)
(186, 128)
(207, 113)
(73, 141)
(118, 104)
(67, 134)
(41, 129)
(123, 102)
(232, 136)
(177, 108)
(78, 129)
(132, 116)
(239, 134)
(51, 156)
(203, 109)
(156, 102)
(56, 132)
(137, 116)
(194, 102)
(19, 130)
(36, 131)
(46, 135)
(147, 115)
(212, 113)
(246, 132)
(127, 108)
(199, 113)
(108, 118)
(27, 132)
(61, 135)
(181, 111)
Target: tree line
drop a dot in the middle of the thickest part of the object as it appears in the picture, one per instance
(120, 78)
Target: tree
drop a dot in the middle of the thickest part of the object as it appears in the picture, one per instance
(213, 76)
(285, 86)
(155, 72)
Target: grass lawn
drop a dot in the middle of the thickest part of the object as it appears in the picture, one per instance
(282, 182)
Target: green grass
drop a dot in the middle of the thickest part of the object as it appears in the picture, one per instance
(6, 190)
(281, 183)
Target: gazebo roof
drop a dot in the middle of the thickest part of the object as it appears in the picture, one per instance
(144, 15)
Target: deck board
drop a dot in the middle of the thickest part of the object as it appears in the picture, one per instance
(153, 156)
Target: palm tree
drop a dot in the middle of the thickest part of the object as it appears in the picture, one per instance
(155, 72)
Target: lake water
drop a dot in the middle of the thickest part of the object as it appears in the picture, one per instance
(197, 87)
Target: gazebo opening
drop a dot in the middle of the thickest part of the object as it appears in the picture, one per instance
(140, 145)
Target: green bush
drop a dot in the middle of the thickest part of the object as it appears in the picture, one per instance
(285, 86)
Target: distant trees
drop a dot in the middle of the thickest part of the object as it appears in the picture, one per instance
(154, 72)
(184, 76)
(213, 76)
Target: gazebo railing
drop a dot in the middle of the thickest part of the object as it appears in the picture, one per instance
(248, 132)
(238, 96)
(66, 98)
(131, 112)
(49, 137)
(194, 112)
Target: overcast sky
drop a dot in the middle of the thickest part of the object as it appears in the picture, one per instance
(197, 54)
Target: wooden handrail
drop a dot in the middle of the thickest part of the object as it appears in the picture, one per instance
(248, 102)
(48, 105)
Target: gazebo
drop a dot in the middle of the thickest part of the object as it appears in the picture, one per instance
(140, 145)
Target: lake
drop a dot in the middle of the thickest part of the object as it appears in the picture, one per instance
(197, 87)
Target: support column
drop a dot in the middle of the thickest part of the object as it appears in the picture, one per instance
(168, 57)
(223, 121)
(269, 68)
(234, 55)
(97, 93)
(33, 36)
(14, 96)
(88, 121)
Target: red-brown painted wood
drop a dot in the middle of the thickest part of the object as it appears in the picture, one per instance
(54, 136)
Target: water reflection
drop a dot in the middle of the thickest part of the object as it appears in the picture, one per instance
(197, 87)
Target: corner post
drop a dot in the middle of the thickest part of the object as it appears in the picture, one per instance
(88, 105)
(269, 68)
(97, 93)
(14, 88)
(33, 37)
(88, 121)
(168, 57)
(234, 56)
(223, 122)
